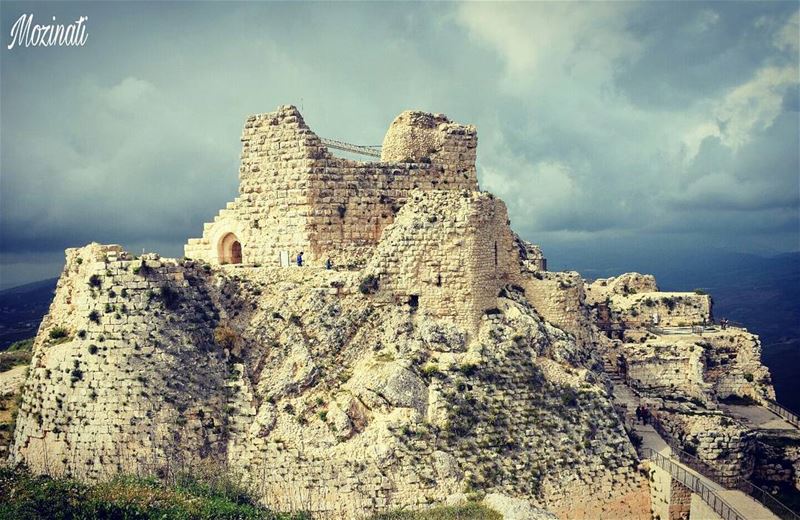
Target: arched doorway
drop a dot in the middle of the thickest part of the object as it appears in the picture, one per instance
(230, 250)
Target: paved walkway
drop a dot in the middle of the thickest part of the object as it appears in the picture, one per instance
(757, 417)
(743, 503)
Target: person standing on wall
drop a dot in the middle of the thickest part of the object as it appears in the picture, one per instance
(300, 259)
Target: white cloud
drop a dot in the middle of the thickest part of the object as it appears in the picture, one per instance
(129, 94)
(788, 38)
(705, 20)
(583, 40)
(754, 105)
(587, 157)
(751, 107)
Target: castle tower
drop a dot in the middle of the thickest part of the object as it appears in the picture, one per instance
(294, 195)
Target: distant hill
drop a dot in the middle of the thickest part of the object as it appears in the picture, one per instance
(22, 309)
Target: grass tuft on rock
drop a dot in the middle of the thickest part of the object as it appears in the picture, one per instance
(469, 511)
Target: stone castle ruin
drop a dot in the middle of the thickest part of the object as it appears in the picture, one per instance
(295, 196)
(438, 360)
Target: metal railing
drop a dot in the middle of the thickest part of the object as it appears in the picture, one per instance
(784, 413)
(726, 479)
(729, 480)
(695, 484)
(767, 500)
(371, 151)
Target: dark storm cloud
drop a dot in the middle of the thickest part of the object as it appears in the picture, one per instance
(613, 120)
(699, 49)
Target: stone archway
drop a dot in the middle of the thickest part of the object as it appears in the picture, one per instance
(230, 249)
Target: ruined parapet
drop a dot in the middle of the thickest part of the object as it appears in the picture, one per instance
(624, 284)
(277, 148)
(715, 366)
(633, 300)
(716, 440)
(733, 365)
(778, 459)
(640, 310)
(560, 298)
(531, 255)
(422, 137)
(674, 366)
(448, 253)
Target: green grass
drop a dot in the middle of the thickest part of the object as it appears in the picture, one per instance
(469, 511)
(25, 345)
(27, 497)
(9, 360)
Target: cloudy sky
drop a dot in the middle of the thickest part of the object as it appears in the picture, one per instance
(621, 126)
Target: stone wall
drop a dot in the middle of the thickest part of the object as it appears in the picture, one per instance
(716, 365)
(114, 395)
(452, 252)
(296, 196)
(778, 459)
(531, 256)
(680, 501)
(559, 297)
(699, 510)
(632, 301)
(660, 490)
(733, 365)
(667, 365)
(717, 440)
(668, 309)
(624, 284)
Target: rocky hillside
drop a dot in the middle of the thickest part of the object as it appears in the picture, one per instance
(319, 389)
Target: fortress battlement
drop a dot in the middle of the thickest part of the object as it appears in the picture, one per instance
(295, 195)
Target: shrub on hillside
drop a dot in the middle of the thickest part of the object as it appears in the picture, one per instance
(369, 285)
(225, 337)
(569, 398)
(25, 345)
(9, 360)
(170, 297)
(468, 511)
